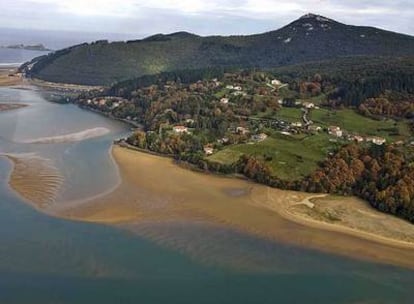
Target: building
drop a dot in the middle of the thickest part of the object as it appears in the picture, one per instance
(238, 88)
(224, 100)
(223, 140)
(229, 87)
(259, 137)
(308, 105)
(335, 131)
(276, 82)
(208, 150)
(242, 130)
(239, 93)
(377, 140)
(314, 128)
(180, 129)
(296, 124)
(357, 138)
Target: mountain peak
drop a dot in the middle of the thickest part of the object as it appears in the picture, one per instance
(315, 17)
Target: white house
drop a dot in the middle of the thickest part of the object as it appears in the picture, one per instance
(208, 150)
(336, 131)
(180, 129)
(377, 140)
(276, 82)
(224, 100)
(229, 87)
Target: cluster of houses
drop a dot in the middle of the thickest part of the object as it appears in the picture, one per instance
(337, 132)
(209, 148)
(180, 130)
(110, 101)
(236, 90)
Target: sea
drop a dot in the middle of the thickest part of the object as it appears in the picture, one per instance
(49, 260)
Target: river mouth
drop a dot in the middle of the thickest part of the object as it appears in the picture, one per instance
(184, 242)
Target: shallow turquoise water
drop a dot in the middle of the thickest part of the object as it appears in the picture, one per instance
(48, 260)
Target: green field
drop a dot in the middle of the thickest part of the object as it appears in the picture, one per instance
(292, 157)
(353, 122)
(289, 158)
(350, 121)
(289, 114)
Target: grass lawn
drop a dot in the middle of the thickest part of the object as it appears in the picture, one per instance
(289, 158)
(353, 122)
(290, 114)
(292, 157)
(350, 121)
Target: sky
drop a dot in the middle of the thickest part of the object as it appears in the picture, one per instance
(139, 18)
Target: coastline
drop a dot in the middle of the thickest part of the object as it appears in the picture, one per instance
(9, 76)
(153, 188)
(158, 194)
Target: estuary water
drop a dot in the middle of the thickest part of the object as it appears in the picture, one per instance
(49, 260)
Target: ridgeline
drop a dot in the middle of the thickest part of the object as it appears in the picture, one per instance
(310, 38)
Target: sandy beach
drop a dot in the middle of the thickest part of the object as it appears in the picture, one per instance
(8, 77)
(154, 189)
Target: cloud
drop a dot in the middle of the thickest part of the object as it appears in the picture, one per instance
(200, 16)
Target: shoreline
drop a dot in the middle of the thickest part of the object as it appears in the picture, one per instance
(139, 199)
(152, 187)
(158, 193)
(300, 219)
(10, 77)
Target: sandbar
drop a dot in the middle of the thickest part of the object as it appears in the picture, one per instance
(155, 189)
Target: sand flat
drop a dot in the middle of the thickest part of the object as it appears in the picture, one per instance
(155, 189)
(11, 106)
(35, 179)
(8, 77)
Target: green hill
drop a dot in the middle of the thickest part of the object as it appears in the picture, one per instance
(310, 38)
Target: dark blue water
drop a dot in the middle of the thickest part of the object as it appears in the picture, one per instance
(48, 260)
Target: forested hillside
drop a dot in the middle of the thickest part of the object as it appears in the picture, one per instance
(310, 38)
(340, 126)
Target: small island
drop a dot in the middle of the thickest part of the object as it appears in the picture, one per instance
(34, 47)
